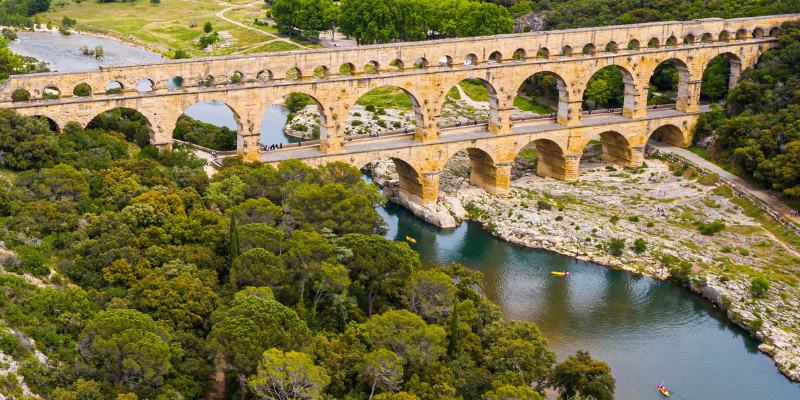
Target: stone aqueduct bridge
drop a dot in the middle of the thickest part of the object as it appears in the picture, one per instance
(426, 71)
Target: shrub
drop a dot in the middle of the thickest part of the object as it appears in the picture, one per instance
(614, 219)
(615, 247)
(543, 205)
(9, 343)
(708, 179)
(709, 229)
(370, 108)
(726, 249)
(759, 286)
(20, 95)
(650, 224)
(744, 252)
(82, 90)
(356, 123)
(560, 218)
(633, 218)
(639, 246)
(396, 124)
(680, 273)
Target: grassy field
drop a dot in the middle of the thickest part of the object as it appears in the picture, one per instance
(532, 106)
(386, 97)
(173, 24)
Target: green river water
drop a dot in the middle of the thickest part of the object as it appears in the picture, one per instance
(647, 331)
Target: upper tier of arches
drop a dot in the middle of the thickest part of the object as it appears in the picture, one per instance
(219, 73)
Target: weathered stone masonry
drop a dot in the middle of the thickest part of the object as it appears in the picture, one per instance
(426, 71)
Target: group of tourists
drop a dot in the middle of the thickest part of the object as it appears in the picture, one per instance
(270, 147)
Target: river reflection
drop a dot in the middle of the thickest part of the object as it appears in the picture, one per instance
(647, 331)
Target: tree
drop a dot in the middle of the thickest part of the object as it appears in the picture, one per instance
(639, 246)
(615, 247)
(581, 375)
(258, 267)
(26, 143)
(430, 293)
(247, 326)
(233, 239)
(288, 376)
(207, 27)
(306, 252)
(330, 280)
(383, 370)
(264, 236)
(378, 263)
(333, 206)
(759, 286)
(179, 293)
(127, 347)
(256, 210)
(407, 335)
(509, 392)
(518, 353)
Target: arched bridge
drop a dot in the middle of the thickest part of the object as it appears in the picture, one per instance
(337, 78)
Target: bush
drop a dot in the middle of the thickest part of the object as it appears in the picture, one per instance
(615, 247)
(560, 218)
(759, 286)
(370, 108)
(681, 272)
(614, 219)
(709, 229)
(633, 218)
(82, 90)
(543, 205)
(726, 249)
(20, 95)
(744, 252)
(708, 179)
(650, 224)
(639, 246)
(9, 343)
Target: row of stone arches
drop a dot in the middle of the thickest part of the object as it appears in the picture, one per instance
(552, 160)
(545, 92)
(146, 85)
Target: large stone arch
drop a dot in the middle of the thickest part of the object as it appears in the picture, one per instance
(682, 94)
(736, 66)
(629, 104)
(618, 149)
(554, 161)
(420, 113)
(153, 134)
(563, 89)
(671, 134)
(325, 134)
(413, 183)
(485, 172)
(496, 102)
(53, 124)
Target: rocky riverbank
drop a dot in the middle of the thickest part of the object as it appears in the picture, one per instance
(647, 221)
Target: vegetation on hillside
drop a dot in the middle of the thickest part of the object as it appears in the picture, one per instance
(757, 132)
(137, 276)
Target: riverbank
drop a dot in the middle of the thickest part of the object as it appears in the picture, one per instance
(653, 206)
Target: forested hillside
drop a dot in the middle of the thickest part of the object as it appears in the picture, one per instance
(128, 274)
(758, 132)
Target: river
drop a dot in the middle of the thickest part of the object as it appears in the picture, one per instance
(647, 331)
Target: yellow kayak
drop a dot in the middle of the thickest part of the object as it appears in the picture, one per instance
(560, 273)
(411, 239)
(663, 390)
